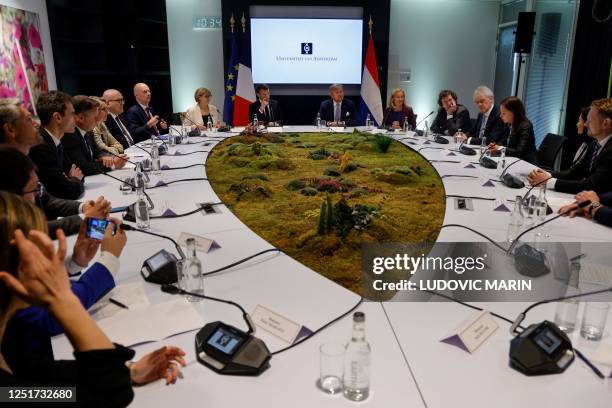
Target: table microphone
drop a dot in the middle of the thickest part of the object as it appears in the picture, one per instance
(468, 151)
(382, 125)
(543, 348)
(511, 180)
(421, 121)
(193, 132)
(130, 213)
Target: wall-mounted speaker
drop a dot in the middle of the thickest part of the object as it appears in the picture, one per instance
(524, 32)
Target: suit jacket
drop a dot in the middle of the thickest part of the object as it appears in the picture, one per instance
(389, 116)
(68, 210)
(347, 111)
(53, 165)
(274, 114)
(460, 120)
(521, 142)
(495, 130)
(114, 130)
(194, 115)
(136, 120)
(604, 214)
(83, 152)
(578, 177)
(105, 141)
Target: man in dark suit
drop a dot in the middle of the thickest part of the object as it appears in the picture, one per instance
(594, 170)
(60, 213)
(488, 123)
(60, 177)
(80, 145)
(115, 125)
(337, 110)
(141, 120)
(268, 110)
(451, 116)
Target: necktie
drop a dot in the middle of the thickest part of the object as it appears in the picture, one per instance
(150, 115)
(483, 125)
(88, 139)
(124, 131)
(337, 112)
(594, 156)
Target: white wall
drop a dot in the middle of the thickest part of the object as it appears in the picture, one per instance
(40, 7)
(445, 44)
(196, 56)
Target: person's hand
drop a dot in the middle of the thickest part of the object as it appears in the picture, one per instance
(120, 161)
(395, 124)
(163, 124)
(460, 137)
(262, 105)
(587, 196)
(202, 127)
(570, 210)
(107, 161)
(114, 243)
(538, 176)
(118, 147)
(42, 277)
(75, 172)
(85, 248)
(161, 363)
(97, 209)
(153, 121)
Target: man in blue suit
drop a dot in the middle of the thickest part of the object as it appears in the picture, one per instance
(337, 110)
(599, 210)
(141, 120)
(488, 123)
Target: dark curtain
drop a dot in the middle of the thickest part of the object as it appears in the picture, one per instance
(590, 69)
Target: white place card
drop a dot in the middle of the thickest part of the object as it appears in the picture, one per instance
(202, 244)
(336, 129)
(275, 129)
(473, 332)
(275, 324)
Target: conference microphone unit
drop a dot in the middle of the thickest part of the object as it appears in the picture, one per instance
(487, 162)
(440, 139)
(193, 132)
(382, 125)
(512, 181)
(130, 212)
(529, 261)
(468, 151)
(420, 132)
(543, 348)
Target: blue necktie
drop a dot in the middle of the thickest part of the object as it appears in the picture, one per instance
(594, 156)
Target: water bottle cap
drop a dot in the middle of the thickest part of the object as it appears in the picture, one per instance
(359, 317)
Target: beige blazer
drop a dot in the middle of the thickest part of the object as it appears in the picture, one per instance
(105, 141)
(193, 113)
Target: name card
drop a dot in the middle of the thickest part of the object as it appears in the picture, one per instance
(275, 129)
(336, 129)
(473, 332)
(202, 244)
(275, 324)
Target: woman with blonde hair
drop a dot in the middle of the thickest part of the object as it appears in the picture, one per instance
(102, 136)
(202, 110)
(397, 112)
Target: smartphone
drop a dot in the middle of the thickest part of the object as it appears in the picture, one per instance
(96, 228)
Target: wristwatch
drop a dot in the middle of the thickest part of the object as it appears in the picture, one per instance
(594, 205)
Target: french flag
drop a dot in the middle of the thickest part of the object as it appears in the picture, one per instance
(370, 100)
(245, 91)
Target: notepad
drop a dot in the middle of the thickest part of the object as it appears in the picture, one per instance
(154, 323)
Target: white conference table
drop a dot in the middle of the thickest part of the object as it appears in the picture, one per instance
(410, 367)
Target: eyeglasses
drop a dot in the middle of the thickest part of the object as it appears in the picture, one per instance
(38, 191)
(117, 100)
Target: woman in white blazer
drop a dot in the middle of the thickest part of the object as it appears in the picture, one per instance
(202, 110)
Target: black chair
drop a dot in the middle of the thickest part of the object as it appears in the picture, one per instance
(549, 152)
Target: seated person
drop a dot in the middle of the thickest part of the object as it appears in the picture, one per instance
(17, 128)
(520, 141)
(80, 145)
(33, 274)
(59, 175)
(594, 170)
(104, 140)
(582, 134)
(398, 112)
(451, 116)
(141, 120)
(60, 213)
(488, 123)
(338, 110)
(114, 123)
(599, 210)
(268, 110)
(202, 111)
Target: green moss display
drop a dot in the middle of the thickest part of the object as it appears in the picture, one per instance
(300, 200)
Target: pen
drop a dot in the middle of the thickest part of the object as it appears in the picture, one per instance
(117, 303)
(591, 365)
